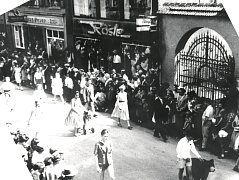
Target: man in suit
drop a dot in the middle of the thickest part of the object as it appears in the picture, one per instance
(160, 115)
(181, 108)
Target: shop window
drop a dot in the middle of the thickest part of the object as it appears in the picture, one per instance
(136, 58)
(85, 8)
(19, 37)
(55, 45)
(110, 9)
(136, 8)
(61, 34)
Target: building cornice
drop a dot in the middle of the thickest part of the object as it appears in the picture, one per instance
(192, 9)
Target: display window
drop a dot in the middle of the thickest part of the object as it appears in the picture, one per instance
(55, 45)
(136, 58)
(19, 37)
(94, 53)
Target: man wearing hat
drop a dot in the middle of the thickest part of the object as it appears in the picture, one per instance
(160, 116)
(76, 78)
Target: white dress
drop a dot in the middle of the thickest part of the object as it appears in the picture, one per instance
(75, 117)
(121, 107)
(57, 86)
(17, 74)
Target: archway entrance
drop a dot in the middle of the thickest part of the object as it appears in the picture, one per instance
(205, 65)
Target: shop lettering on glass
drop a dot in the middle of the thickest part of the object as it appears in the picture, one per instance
(100, 28)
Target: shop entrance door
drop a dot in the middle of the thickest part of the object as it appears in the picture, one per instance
(107, 47)
(36, 39)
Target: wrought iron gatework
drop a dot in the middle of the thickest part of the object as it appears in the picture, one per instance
(206, 66)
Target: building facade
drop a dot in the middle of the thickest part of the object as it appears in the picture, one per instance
(199, 48)
(104, 28)
(39, 25)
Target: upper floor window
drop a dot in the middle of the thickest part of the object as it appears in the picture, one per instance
(46, 3)
(135, 8)
(85, 8)
(114, 9)
(110, 9)
(55, 3)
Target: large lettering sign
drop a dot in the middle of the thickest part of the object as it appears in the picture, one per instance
(45, 21)
(113, 29)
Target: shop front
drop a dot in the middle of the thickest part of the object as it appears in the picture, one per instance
(40, 33)
(113, 45)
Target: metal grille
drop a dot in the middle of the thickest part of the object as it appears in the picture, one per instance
(205, 67)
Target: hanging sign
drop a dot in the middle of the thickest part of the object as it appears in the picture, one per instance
(148, 23)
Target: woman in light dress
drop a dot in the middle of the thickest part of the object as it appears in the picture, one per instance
(75, 116)
(121, 110)
(17, 74)
(57, 87)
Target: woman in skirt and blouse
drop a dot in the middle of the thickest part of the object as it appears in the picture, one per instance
(75, 116)
(121, 110)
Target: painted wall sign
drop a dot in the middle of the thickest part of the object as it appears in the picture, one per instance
(114, 29)
(45, 21)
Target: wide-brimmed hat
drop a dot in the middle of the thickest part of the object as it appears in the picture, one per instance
(69, 171)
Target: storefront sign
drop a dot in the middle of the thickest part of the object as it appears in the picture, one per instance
(17, 19)
(45, 21)
(143, 28)
(146, 24)
(116, 29)
(143, 22)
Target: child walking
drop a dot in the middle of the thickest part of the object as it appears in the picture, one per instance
(103, 156)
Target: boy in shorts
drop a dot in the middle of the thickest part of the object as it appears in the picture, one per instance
(184, 146)
(103, 156)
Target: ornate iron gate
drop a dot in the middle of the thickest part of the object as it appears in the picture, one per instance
(206, 66)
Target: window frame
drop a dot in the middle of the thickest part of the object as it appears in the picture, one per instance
(19, 36)
(121, 9)
(97, 3)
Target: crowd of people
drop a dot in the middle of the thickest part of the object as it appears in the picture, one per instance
(42, 161)
(169, 111)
